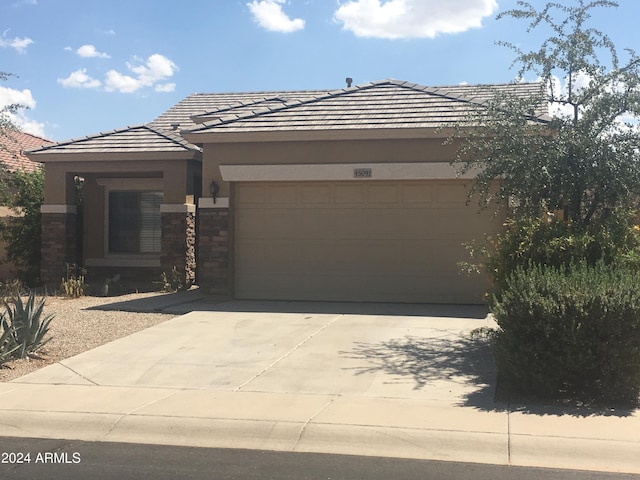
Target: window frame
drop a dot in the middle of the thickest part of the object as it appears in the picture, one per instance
(124, 185)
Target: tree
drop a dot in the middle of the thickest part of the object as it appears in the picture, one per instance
(7, 126)
(23, 192)
(23, 231)
(585, 158)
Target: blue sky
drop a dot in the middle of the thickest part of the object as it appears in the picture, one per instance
(85, 66)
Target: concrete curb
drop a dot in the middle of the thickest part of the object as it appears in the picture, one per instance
(317, 423)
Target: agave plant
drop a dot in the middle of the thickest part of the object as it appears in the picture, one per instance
(26, 325)
(7, 346)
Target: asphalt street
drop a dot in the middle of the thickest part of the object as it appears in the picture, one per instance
(74, 460)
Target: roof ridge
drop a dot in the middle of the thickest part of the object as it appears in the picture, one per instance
(174, 137)
(238, 104)
(289, 104)
(333, 94)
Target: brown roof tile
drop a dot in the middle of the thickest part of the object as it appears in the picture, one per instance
(199, 107)
(13, 144)
(384, 104)
(134, 139)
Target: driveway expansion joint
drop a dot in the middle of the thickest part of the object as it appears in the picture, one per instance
(274, 363)
(78, 374)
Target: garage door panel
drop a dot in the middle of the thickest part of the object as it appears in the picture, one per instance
(349, 194)
(416, 194)
(263, 223)
(327, 287)
(364, 241)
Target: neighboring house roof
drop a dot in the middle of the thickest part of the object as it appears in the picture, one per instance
(385, 104)
(134, 139)
(13, 144)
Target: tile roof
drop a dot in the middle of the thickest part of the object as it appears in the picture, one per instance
(12, 146)
(199, 106)
(134, 139)
(384, 104)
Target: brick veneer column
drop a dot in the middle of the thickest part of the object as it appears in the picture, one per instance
(178, 244)
(59, 242)
(213, 247)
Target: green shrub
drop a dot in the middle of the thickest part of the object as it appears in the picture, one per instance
(11, 288)
(26, 325)
(22, 233)
(570, 333)
(552, 242)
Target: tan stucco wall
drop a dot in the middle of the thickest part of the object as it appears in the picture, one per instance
(178, 177)
(318, 152)
(181, 180)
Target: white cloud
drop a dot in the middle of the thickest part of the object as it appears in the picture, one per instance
(20, 44)
(165, 87)
(120, 82)
(393, 19)
(89, 51)
(79, 79)
(10, 96)
(156, 69)
(270, 16)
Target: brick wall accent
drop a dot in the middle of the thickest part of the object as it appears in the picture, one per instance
(213, 251)
(58, 246)
(178, 245)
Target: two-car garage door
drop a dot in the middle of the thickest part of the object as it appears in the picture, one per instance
(356, 241)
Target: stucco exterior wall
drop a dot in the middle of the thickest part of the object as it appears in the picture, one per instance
(319, 152)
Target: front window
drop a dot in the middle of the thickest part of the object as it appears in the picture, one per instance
(134, 221)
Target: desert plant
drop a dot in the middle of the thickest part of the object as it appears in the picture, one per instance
(7, 346)
(570, 333)
(11, 288)
(172, 282)
(26, 325)
(73, 286)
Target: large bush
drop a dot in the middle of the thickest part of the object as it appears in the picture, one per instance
(570, 332)
(22, 232)
(555, 243)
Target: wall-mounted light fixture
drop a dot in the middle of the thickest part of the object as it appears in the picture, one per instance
(214, 188)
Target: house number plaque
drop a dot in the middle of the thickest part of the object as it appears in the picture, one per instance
(362, 173)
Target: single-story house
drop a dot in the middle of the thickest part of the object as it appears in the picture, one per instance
(343, 195)
(13, 144)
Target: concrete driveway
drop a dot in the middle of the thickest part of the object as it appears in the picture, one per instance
(269, 347)
(386, 380)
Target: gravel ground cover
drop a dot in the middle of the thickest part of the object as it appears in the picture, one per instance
(76, 329)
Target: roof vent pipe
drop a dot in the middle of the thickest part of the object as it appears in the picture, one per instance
(349, 81)
(175, 126)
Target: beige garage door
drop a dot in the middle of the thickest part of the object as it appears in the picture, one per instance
(356, 241)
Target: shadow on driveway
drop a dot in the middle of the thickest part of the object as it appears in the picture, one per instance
(467, 358)
(193, 300)
(464, 357)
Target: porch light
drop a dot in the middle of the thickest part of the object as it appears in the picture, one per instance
(213, 188)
